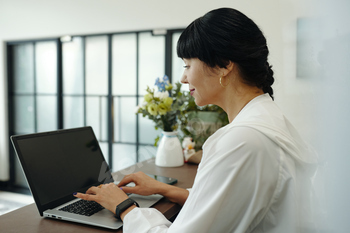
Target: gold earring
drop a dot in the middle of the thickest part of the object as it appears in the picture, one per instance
(222, 84)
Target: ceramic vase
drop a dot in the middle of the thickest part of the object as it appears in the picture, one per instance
(169, 152)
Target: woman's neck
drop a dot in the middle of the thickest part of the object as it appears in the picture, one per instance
(236, 100)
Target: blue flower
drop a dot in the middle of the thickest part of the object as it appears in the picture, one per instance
(166, 79)
(157, 82)
(162, 83)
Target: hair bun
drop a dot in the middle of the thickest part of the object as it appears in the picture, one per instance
(266, 85)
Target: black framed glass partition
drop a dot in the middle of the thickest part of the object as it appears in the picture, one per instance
(95, 80)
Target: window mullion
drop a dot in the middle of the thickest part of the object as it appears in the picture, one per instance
(137, 98)
(110, 125)
(168, 54)
(59, 85)
(34, 90)
(83, 57)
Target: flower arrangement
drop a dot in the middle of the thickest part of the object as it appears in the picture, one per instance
(199, 122)
(162, 105)
(171, 109)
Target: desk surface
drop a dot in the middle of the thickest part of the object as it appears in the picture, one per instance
(27, 219)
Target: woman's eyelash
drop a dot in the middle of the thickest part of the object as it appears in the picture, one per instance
(186, 67)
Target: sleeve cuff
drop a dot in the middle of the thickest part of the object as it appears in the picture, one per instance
(140, 220)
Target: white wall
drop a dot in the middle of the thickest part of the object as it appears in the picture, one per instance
(22, 19)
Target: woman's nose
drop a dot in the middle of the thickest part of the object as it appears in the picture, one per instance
(184, 79)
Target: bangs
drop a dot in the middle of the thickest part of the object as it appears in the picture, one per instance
(196, 42)
(189, 43)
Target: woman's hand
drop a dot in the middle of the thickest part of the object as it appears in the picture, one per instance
(107, 195)
(144, 185)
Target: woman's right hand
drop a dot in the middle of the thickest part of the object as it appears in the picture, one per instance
(144, 185)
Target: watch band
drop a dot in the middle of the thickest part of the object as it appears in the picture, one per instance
(124, 206)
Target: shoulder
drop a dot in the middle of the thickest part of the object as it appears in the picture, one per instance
(241, 145)
(238, 136)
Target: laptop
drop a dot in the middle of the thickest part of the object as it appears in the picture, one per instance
(58, 163)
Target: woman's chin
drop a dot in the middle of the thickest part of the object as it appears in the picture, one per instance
(200, 103)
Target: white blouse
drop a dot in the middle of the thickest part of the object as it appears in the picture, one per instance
(247, 181)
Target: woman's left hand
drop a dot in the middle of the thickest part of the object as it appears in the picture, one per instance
(107, 195)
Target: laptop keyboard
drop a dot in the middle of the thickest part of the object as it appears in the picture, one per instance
(83, 207)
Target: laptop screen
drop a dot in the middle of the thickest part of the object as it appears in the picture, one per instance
(61, 162)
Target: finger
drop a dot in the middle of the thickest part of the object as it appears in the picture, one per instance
(126, 180)
(128, 189)
(109, 185)
(92, 190)
(86, 197)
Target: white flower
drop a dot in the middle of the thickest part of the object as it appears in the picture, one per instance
(161, 95)
(140, 106)
(188, 143)
(137, 109)
(143, 105)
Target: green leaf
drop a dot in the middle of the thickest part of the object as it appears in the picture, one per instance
(156, 140)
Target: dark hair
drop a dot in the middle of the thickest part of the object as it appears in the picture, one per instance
(224, 35)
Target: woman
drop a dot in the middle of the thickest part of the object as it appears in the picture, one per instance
(248, 179)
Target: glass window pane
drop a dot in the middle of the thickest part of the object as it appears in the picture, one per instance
(177, 63)
(104, 120)
(151, 60)
(125, 119)
(123, 156)
(73, 112)
(147, 152)
(117, 121)
(96, 116)
(97, 65)
(124, 64)
(72, 59)
(46, 67)
(147, 132)
(46, 113)
(23, 72)
(24, 114)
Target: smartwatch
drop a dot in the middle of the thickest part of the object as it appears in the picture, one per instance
(124, 206)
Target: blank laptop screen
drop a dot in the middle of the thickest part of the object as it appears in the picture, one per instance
(61, 163)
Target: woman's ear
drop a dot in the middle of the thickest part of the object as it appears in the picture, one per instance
(230, 66)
